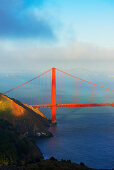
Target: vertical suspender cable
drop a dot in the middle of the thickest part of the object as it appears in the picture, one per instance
(92, 93)
(76, 90)
(85, 92)
(31, 93)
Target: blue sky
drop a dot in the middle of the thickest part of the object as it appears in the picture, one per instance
(76, 36)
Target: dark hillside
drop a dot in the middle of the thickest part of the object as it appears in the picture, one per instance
(14, 148)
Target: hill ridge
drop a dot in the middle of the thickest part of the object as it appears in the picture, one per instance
(25, 118)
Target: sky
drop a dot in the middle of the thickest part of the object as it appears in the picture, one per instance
(74, 35)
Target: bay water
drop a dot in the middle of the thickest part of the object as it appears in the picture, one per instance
(82, 135)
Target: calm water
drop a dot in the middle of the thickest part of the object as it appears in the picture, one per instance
(82, 135)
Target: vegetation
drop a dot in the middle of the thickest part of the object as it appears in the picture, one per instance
(17, 122)
(14, 148)
(49, 164)
(54, 164)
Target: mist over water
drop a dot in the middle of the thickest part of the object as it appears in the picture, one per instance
(82, 135)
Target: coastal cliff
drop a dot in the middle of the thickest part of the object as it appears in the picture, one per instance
(19, 123)
(27, 120)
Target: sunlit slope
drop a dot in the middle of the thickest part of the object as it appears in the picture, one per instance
(26, 119)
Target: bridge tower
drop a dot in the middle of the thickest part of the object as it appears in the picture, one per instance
(53, 96)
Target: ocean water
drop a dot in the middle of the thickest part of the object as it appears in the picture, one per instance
(82, 135)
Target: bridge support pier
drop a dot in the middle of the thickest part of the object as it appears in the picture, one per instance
(53, 96)
(53, 114)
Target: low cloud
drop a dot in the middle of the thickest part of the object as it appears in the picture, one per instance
(32, 57)
(111, 76)
(78, 52)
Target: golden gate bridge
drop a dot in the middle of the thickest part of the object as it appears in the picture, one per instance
(50, 90)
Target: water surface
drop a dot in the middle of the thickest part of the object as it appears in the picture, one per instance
(82, 135)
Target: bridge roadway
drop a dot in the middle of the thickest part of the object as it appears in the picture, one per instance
(73, 105)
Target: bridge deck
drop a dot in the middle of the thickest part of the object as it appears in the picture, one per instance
(74, 105)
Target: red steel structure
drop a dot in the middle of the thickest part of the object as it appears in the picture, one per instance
(53, 106)
(53, 96)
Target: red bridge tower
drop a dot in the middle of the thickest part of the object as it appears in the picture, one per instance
(53, 96)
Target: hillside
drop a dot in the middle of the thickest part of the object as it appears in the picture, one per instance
(54, 164)
(26, 119)
(14, 148)
(50, 164)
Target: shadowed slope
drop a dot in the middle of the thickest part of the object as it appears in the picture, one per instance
(14, 148)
